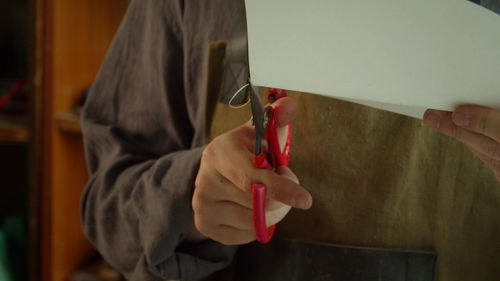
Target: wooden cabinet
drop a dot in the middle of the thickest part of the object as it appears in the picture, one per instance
(72, 37)
(16, 67)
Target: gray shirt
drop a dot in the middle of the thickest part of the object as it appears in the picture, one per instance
(143, 136)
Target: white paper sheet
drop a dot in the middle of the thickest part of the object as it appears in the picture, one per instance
(399, 55)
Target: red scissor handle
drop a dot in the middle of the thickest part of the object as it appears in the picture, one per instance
(279, 158)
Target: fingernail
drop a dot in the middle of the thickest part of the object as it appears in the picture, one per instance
(432, 120)
(302, 202)
(460, 119)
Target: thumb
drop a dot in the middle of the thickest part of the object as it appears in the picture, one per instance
(282, 186)
(286, 172)
(285, 110)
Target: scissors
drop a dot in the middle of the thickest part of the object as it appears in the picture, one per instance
(264, 120)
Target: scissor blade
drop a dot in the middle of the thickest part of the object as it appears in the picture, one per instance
(257, 111)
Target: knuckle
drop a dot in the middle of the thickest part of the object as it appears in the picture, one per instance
(241, 130)
(292, 176)
(197, 206)
(495, 166)
(200, 184)
(276, 190)
(482, 123)
(496, 151)
(202, 226)
(456, 132)
(244, 181)
(224, 181)
(492, 148)
(199, 181)
(208, 152)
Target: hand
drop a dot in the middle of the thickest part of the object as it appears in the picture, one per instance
(222, 199)
(476, 126)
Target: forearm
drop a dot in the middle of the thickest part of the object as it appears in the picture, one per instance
(137, 212)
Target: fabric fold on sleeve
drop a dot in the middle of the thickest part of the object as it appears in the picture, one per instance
(138, 212)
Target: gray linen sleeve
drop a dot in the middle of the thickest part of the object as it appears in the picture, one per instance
(136, 207)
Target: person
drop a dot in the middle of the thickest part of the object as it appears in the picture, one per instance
(160, 204)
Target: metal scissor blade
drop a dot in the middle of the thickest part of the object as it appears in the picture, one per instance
(257, 111)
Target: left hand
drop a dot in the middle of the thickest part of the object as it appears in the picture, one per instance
(476, 126)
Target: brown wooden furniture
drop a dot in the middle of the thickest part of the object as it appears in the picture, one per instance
(72, 38)
(14, 129)
(69, 122)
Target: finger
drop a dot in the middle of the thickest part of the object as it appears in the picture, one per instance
(238, 169)
(442, 122)
(228, 195)
(490, 162)
(273, 205)
(212, 185)
(209, 214)
(223, 190)
(233, 161)
(229, 235)
(232, 214)
(281, 188)
(229, 192)
(286, 172)
(479, 119)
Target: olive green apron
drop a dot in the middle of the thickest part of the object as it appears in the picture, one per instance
(384, 180)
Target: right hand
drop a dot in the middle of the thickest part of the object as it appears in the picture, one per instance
(222, 199)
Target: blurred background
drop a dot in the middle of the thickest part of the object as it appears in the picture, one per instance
(50, 52)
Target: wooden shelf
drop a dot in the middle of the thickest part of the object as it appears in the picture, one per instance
(67, 63)
(69, 122)
(14, 129)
